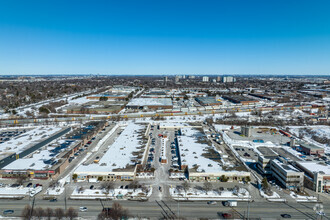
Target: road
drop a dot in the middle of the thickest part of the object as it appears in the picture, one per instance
(190, 210)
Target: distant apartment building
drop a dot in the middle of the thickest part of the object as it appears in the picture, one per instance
(205, 79)
(228, 79)
(219, 79)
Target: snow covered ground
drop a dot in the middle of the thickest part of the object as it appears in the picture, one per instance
(300, 198)
(197, 194)
(317, 130)
(274, 196)
(16, 192)
(113, 194)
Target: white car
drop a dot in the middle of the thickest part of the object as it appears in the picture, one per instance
(83, 209)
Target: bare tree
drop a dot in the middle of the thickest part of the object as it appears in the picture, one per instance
(39, 213)
(71, 213)
(49, 213)
(185, 186)
(59, 213)
(134, 185)
(21, 179)
(26, 212)
(107, 186)
(207, 186)
(53, 183)
(117, 212)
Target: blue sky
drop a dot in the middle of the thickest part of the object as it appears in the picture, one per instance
(165, 37)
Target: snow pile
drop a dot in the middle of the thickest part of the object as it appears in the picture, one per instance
(300, 198)
(274, 196)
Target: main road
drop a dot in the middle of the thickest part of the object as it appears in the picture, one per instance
(189, 210)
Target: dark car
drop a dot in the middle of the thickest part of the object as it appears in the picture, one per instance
(9, 211)
(226, 215)
(286, 216)
(91, 187)
(53, 200)
(29, 185)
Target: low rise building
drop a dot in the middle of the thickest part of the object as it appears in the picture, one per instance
(208, 101)
(319, 173)
(286, 174)
(150, 103)
(311, 149)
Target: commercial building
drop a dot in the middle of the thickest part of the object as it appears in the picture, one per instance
(286, 174)
(28, 142)
(208, 101)
(46, 163)
(120, 160)
(109, 96)
(200, 158)
(150, 103)
(264, 159)
(310, 149)
(319, 173)
(237, 99)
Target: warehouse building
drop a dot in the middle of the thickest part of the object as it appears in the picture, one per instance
(311, 149)
(208, 101)
(150, 103)
(237, 99)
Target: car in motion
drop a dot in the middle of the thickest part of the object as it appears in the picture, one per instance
(83, 209)
(53, 200)
(286, 216)
(226, 215)
(211, 202)
(9, 211)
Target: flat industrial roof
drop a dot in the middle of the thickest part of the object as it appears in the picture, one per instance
(315, 167)
(119, 154)
(150, 102)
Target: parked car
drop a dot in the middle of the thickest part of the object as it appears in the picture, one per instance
(286, 216)
(53, 200)
(91, 187)
(29, 185)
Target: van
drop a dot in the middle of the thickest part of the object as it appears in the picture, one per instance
(230, 203)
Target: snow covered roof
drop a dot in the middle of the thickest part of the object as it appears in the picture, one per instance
(28, 139)
(119, 153)
(191, 152)
(315, 167)
(150, 102)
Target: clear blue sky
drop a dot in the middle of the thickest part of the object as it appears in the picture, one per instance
(165, 37)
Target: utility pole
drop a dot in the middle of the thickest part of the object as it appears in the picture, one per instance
(248, 210)
(31, 213)
(65, 197)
